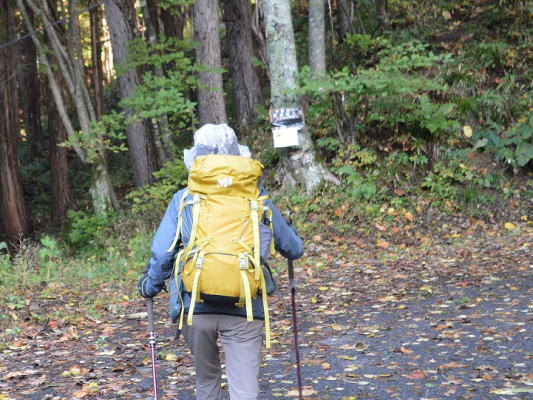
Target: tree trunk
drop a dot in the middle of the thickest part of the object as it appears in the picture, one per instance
(383, 15)
(73, 76)
(96, 57)
(162, 137)
(211, 106)
(258, 34)
(317, 37)
(14, 211)
(30, 97)
(344, 18)
(246, 88)
(60, 200)
(174, 22)
(120, 16)
(299, 164)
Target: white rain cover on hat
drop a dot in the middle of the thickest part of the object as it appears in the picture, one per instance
(214, 139)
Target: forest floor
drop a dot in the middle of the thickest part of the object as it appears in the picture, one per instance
(444, 315)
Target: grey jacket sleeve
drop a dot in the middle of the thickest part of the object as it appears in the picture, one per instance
(162, 261)
(286, 240)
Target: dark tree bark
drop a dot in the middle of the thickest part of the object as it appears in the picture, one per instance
(246, 89)
(211, 105)
(60, 200)
(161, 131)
(96, 58)
(258, 34)
(151, 17)
(30, 97)
(383, 15)
(120, 16)
(344, 18)
(14, 211)
(173, 21)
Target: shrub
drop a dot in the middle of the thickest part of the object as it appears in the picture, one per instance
(154, 198)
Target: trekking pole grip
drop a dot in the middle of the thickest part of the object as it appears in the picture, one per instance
(291, 273)
(150, 313)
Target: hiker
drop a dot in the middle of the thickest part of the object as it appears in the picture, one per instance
(241, 337)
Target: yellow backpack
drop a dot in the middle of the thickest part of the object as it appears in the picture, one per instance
(222, 258)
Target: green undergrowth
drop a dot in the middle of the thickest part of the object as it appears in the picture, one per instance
(396, 189)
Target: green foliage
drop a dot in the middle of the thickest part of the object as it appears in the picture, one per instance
(161, 97)
(458, 181)
(393, 94)
(154, 198)
(513, 146)
(358, 187)
(106, 134)
(48, 255)
(88, 229)
(5, 262)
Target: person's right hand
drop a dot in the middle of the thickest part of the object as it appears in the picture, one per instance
(144, 287)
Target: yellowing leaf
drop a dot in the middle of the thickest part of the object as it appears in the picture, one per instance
(467, 131)
(92, 387)
(446, 14)
(509, 226)
(426, 289)
(326, 365)
(171, 357)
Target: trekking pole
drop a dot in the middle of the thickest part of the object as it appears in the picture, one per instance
(294, 327)
(150, 312)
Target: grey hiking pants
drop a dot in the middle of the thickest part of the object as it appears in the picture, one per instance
(241, 341)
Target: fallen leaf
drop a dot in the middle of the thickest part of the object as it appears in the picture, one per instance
(418, 374)
(512, 390)
(305, 392)
(509, 226)
(383, 244)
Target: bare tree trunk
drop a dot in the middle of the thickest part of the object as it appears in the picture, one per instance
(96, 57)
(383, 15)
(162, 137)
(317, 37)
(72, 73)
(258, 34)
(60, 200)
(299, 165)
(120, 16)
(30, 97)
(174, 22)
(211, 105)
(246, 88)
(14, 211)
(344, 18)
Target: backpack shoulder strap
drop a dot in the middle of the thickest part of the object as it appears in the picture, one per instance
(181, 206)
